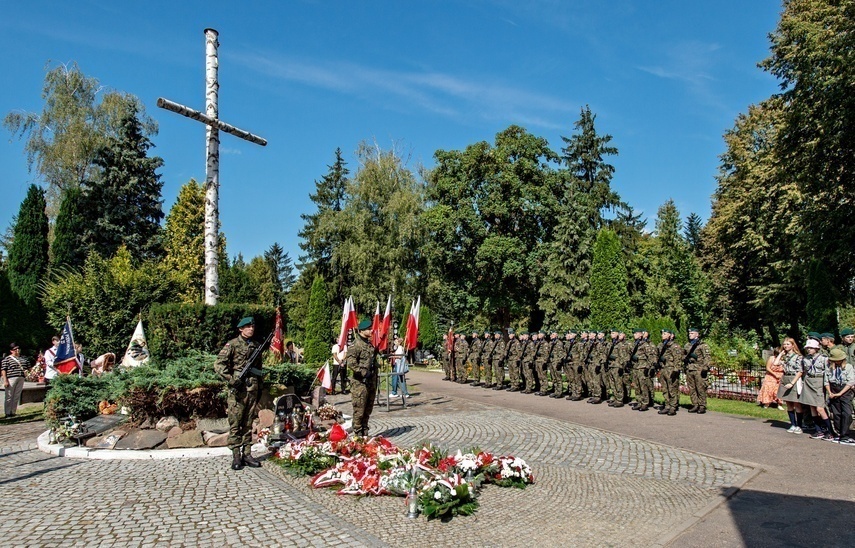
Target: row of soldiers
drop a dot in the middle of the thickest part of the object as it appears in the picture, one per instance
(589, 364)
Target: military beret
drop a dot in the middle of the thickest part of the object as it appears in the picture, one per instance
(695, 329)
(510, 331)
(813, 335)
(573, 331)
(541, 333)
(364, 324)
(553, 332)
(249, 320)
(637, 330)
(497, 332)
(668, 331)
(846, 332)
(486, 332)
(827, 336)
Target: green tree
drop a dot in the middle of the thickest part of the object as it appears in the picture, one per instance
(261, 280)
(429, 334)
(66, 249)
(281, 271)
(813, 55)
(609, 294)
(123, 201)
(184, 241)
(319, 334)
(821, 308)
(77, 119)
(587, 195)
(28, 252)
(692, 231)
(235, 283)
(490, 223)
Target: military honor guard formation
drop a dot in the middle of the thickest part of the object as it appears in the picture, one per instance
(606, 366)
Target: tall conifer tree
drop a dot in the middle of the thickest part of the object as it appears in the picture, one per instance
(609, 294)
(319, 334)
(28, 253)
(66, 249)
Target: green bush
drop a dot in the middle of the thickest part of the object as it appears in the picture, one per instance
(175, 329)
(746, 347)
(298, 376)
(79, 396)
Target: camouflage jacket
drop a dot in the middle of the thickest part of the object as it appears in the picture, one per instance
(232, 359)
(699, 359)
(670, 356)
(361, 359)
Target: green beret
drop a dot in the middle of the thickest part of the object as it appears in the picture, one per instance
(668, 331)
(364, 324)
(846, 332)
(510, 331)
(695, 329)
(827, 336)
(497, 332)
(637, 330)
(246, 321)
(813, 335)
(573, 331)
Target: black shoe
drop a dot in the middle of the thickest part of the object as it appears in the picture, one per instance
(642, 408)
(575, 398)
(610, 403)
(672, 412)
(618, 404)
(702, 410)
(542, 394)
(477, 383)
(251, 461)
(596, 401)
(663, 411)
(513, 389)
(498, 387)
(635, 405)
(237, 462)
(446, 379)
(527, 391)
(694, 409)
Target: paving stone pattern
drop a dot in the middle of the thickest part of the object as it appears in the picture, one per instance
(593, 489)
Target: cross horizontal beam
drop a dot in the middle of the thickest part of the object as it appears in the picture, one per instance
(205, 119)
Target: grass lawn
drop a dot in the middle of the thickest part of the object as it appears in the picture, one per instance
(27, 412)
(732, 407)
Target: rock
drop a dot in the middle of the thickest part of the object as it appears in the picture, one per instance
(174, 431)
(212, 425)
(190, 438)
(93, 441)
(318, 396)
(110, 441)
(265, 418)
(141, 439)
(216, 440)
(166, 424)
(146, 424)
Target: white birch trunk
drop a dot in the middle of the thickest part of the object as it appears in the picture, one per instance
(212, 171)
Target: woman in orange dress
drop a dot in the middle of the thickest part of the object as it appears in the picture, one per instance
(768, 394)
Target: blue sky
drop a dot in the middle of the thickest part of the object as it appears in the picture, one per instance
(665, 78)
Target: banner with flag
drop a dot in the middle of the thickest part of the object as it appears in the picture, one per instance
(276, 344)
(375, 328)
(323, 376)
(137, 352)
(66, 356)
(449, 341)
(348, 321)
(412, 337)
(386, 325)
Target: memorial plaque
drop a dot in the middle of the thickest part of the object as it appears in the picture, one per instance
(102, 423)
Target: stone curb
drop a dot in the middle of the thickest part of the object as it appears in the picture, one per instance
(60, 450)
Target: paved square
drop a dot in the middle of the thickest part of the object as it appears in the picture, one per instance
(593, 488)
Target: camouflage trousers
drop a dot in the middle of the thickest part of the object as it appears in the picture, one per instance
(574, 379)
(460, 370)
(529, 375)
(627, 384)
(616, 381)
(362, 396)
(495, 373)
(643, 386)
(476, 370)
(447, 369)
(241, 411)
(514, 370)
(596, 383)
(696, 382)
(557, 381)
(670, 379)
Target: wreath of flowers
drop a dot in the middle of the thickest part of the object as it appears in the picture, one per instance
(445, 485)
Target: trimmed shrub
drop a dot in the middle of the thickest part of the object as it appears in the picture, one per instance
(319, 334)
(298, 376)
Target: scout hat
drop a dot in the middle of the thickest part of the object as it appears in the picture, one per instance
(812, 343)
(248, 320)
(364, 324)
(837, 355)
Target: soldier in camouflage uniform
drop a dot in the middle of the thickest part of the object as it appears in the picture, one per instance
(847, 344)
(670, 360)
(497, 361)
(826, 341)
(642, 359)
(541, 362)
(626, 348)
(529, 342)
(574, 344)
(514, 350)
(556, 365)
(361, 360)
(475, 348)
(445, 356)
(596, 361)
(487, 345)
(697, 369)
(461, 354)
(614, 369)
(243, 395)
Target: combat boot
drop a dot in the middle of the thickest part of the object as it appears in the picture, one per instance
(662, 411)
(702, 410)
(694, 409)
(643, 408)
(672, 412)
(237, 461)
(249, 460)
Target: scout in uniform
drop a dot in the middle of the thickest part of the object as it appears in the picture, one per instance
(840, 382)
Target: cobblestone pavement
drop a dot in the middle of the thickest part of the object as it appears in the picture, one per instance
(593, 488)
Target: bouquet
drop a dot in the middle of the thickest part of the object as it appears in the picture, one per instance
(512, 472)
(447, 496)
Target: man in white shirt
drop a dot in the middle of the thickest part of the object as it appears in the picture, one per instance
(50, 358)
(339, 368)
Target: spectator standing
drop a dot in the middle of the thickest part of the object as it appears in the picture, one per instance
(839, 382)
(399, 365)
(290, 353)
(12, 368)
(768, 394)
(790, 359)
(50, 358)
(339, 368)
(81, 359)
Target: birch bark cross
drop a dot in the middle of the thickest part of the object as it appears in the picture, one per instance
(212, 165)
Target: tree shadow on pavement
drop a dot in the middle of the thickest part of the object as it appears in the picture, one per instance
(775, 519)
(396, 431)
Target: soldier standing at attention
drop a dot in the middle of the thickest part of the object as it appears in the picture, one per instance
(697, 369)
(514, 349)
(475, 348)
(529, 353)
(445, 356)
(847, 337)
(626, 368)
(573, 345)
(487, 347)
(639, 360)
(243, 394)
(597, 361)
(614, 369)
(670, 359)
(556, 365)
(362, 361)
(541, 359)
(497, 361)
(461, 353)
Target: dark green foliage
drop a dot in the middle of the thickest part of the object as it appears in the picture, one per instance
(67, 248)
(821, 308)
(106, 298)
(654, 326)
(79, 396)
(281, 270)
(173, 329)
(17, 323)
(123, 201)
(692, 231)
(429, 335)
(609, 295)
(298, 376)
(235, 283)
(319, 336)
(28, 253)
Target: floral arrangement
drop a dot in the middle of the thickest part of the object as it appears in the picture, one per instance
(328, 412)
(444, 485)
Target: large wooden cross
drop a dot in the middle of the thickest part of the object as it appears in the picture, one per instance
(212, 164)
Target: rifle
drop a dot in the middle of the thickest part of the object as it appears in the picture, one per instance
(247, 367)
(632, 356)
(690, 352)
